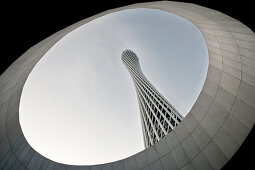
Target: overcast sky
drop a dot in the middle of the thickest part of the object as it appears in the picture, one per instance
(79, 104)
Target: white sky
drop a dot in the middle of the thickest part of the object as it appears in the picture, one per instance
(79, 104)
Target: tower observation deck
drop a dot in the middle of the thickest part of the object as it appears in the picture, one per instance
(158, 116)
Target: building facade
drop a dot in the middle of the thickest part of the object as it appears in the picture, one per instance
(158, 116)
(207, 138)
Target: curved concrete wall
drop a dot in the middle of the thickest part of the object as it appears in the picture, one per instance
(207, 138)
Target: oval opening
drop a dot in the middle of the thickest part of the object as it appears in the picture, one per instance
(79, 104)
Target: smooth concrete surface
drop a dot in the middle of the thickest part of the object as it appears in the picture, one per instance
(207, 138)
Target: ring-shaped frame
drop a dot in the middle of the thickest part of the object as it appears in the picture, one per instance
(209, 135)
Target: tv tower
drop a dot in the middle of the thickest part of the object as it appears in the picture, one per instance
(158, 116)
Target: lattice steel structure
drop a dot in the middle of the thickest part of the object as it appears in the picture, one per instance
(158, 116)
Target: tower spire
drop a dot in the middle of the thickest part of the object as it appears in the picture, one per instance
(158, 116)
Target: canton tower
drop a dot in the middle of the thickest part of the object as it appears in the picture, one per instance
(158, 116)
